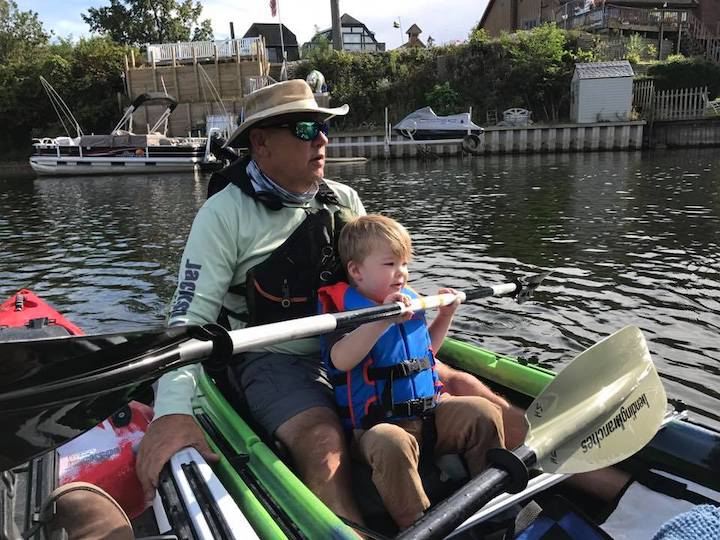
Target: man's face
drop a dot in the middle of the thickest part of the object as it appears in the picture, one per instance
(295, 164)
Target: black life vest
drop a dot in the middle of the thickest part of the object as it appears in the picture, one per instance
(284, 286)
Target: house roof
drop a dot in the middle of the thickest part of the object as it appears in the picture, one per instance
(485, 14)
(347, 20)
(604, 70)
(417, 43)
(271, 33)
(414, 29)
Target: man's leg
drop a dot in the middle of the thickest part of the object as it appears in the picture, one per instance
(316, 442)
(291, 398)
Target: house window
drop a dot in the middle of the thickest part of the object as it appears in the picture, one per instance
(352, 38)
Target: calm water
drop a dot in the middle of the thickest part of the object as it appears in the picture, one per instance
(632, 239)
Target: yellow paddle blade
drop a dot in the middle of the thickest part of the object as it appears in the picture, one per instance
(602, 408)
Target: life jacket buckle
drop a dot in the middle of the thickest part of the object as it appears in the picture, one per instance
(285, 302)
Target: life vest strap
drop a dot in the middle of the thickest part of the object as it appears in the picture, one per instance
(420, 408)
(404, 369)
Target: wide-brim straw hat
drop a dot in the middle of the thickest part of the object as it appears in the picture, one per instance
(283, 99)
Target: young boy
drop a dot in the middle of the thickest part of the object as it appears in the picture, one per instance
(384, 372)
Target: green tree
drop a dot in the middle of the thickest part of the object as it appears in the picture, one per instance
(443, 99)
(136, 22)
(679, 72)
(21, 32)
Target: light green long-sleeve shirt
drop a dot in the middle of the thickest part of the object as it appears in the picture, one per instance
(231, 234)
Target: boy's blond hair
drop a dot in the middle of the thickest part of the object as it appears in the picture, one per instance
(360, 236)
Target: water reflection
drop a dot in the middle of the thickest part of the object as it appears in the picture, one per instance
(632, 239)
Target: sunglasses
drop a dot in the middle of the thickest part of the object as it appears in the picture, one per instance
(306, 130)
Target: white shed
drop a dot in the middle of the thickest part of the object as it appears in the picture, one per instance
(601, 92)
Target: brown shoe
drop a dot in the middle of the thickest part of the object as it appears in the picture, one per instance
(84, 511)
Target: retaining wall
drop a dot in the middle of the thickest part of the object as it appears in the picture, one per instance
(684, 133)
(499, 140)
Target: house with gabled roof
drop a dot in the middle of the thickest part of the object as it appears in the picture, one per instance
(356, 37)
(273, 44)
(413, 38)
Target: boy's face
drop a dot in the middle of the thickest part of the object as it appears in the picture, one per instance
(381, 273)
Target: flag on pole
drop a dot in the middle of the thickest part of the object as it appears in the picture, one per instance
(273, 7)
(395, 24)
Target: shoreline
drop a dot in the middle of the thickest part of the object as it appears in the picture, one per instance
(16, 169)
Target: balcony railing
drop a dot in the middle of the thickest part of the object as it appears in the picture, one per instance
(587, 15)
(201, 50)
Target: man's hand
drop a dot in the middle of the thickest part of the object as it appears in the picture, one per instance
(163, 438)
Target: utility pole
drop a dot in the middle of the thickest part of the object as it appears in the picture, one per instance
(336, 28)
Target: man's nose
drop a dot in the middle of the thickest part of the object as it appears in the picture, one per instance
(320, 141)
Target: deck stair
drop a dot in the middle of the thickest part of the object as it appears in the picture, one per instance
(699, 40)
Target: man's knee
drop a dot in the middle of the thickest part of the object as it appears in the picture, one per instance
(316, 440)
(327, 437)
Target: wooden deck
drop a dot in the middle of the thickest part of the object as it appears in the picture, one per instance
(574, 15)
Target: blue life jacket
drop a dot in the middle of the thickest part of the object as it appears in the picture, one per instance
(396, 380)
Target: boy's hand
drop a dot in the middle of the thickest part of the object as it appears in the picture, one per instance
(402, 298)
(449, 310)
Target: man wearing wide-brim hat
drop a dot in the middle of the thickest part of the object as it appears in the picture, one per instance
(258, 250)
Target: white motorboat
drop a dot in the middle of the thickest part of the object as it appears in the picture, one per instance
(121, 151)
(424, 124)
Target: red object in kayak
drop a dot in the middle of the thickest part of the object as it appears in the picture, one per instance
(24, 306)
(105, 455)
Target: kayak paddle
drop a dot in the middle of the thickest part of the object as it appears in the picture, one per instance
(600, 409)
(52, 390)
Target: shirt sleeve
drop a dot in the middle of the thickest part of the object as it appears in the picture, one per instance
(358, 206)
(206, 271)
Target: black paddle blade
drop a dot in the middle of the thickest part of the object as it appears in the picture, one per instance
(528, 285)
(52, 390)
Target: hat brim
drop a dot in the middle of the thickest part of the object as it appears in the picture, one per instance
(239, 137)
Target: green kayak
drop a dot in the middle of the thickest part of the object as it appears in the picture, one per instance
(278, 505)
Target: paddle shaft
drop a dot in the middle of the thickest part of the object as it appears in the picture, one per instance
(154, 364)
(447, 515)
(261, 336)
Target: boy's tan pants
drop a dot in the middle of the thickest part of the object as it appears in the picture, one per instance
(466, 425)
